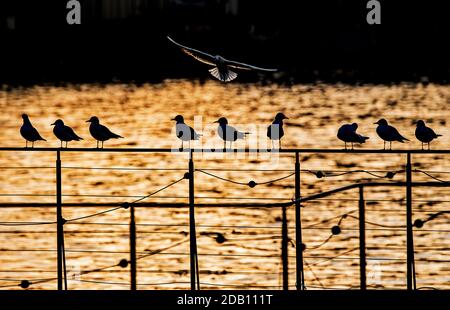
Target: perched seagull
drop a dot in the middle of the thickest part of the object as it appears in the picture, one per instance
(64, 133)
(347, 133)
(100, 132)
(425, 134)
(28, 132)
(184, 132)
(275, 130)
(228, 133)
(221, 70)
(388, 133)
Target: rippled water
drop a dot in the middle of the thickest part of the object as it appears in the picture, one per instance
(250, 255)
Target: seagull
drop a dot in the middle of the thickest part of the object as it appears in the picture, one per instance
(100, 132)
(425, 134)
(228, 133)
(28, 132)
(347, 133)
(221, 66)
(388, 133)
(275, 130)
(64, 133)
(184, 132)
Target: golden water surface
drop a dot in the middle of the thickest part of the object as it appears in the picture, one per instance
(250, 254)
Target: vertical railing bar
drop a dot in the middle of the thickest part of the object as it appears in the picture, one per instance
(132, 249)
(284, 249)
(192, 231)
(362, 239)
(409, 228)
(300, 279)
(59, 223)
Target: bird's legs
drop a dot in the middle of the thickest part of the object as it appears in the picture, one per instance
(384, 145)
(422, 146)
(67, 143)
(390, 145)
(429, 146)
(102, 144)
(61, 143)
(32, 144)
(352, 145)
(345, 145)
(97, 143)
(280, 143)
(26, 143)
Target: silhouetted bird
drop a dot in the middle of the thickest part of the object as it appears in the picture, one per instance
(184, 132)
(348, 134)
(388, 133)
(221, 70)
(100, 132)
(275, 130)
(425, 134)
(64, 133)
(28, 132)
(228, 133)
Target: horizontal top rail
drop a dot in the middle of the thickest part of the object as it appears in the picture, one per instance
(221, 150)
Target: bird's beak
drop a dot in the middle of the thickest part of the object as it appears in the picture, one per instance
(376, 123)
(286, 117)
(88, 121)
(172, 119)
(52, 124)
(215, 122)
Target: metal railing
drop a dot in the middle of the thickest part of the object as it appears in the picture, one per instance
(192, 204)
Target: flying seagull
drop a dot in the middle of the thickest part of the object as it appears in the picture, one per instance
(425, 134)
(64, 133)
(228, 133)
(28, 132)
(221, 67)
(348, 134)
(184, 132)
(388, 133)
(275, 130)
(100, 132)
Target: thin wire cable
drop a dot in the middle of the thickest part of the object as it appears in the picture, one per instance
(243, 183)
(431, 176)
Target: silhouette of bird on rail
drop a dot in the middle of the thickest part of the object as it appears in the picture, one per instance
(228, 133)
(388, 133)
(64, 133)
(99, 132)
(275, 130)
(28, 132)
(348, 134)
(425, 134)
(221, 66)
(184, 132)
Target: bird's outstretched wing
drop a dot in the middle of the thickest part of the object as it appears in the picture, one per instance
(199, 55)
(243, 66)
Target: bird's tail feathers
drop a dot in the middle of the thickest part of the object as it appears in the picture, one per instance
(224, 76)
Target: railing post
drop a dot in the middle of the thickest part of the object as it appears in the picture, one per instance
(132, 249)
(192, 234)
(362, 240)
(284, 249)
(300, 279)
(59, 225)
(409, 228)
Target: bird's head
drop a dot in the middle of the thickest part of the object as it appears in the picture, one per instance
(420, 123)
(178, 119)
(24, 116)
(219, 58)
(280, 116)
(354, 126)
(94, 120)
(222, 121)
(58, 122)
(381, 122)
